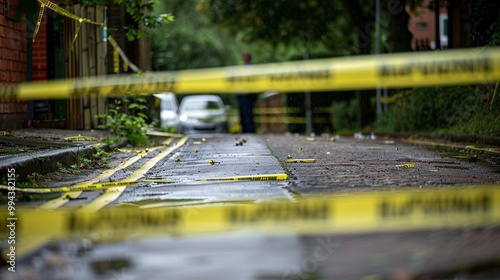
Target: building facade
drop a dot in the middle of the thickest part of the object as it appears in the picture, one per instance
(13, 63)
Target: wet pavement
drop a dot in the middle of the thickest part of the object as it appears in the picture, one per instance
(341, 165)
(349, 164)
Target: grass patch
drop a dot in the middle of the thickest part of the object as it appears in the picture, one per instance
(465, 109)
(14, 150)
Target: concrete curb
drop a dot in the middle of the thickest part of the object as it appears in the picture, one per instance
(46, 161)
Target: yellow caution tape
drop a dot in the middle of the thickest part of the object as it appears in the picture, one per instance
(132, 151)
(80, 138)
(303, 160)
(89, 187)
(352, 213)
(406, 165)
(419, 69)
(164, 134)
(116, 61)
(39, 20)
(113, 193)
(265, 177)
(277, 110)
(100, 186)
(121, 53)
(61, 11)
(63, 199)
(285, 119)
(262, 177)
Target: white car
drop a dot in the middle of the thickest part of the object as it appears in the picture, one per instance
(169, 114)
(202, 114)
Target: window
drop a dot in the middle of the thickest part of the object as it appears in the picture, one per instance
(202, 105)
(11, 9)
(421, 25)
(445, 27)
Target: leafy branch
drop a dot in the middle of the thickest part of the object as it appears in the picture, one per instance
(140, 11)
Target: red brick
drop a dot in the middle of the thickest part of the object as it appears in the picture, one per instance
(12, 120)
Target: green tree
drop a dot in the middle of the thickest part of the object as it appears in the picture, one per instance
(140, 11)
(191, 41)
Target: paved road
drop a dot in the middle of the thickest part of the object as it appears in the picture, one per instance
(345, 165)
(349, 164)
(342, 165)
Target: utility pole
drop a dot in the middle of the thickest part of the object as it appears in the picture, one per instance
(307, 103)
(377, 51)
(438, 35)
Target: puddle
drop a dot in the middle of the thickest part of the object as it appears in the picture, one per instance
(196, 192)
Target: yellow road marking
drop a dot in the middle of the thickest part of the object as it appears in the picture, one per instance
(167, 142)
(164, 134)
(63, 199)
(112, 194)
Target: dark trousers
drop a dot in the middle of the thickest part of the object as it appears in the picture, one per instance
(245, 104)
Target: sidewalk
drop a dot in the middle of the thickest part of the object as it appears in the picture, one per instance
(39, 150)
(351, 164)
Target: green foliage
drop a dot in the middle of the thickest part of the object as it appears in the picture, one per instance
(485, 16)
(128, 119)
(452, 109)
(110, 141)
(140, 11)
(191, 41)
(343, 115)
(273, 21)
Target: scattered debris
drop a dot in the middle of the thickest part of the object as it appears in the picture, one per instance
(305, 160)
(80, 138)
(474, 158)
(406, 165)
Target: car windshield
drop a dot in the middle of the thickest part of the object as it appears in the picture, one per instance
(201, 105)
(166, 105)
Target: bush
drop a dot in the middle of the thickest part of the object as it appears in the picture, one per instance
(128, 121)
(444, 109)
(344, 116)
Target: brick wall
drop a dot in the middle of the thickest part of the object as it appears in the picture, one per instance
(39, 52)
(13, 66)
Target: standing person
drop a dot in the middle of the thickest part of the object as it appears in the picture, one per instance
(245, 102)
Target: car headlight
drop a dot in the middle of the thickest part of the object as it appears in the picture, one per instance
(183, 117)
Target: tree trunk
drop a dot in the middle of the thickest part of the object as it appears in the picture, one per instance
(363, 26)
(399, 37)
